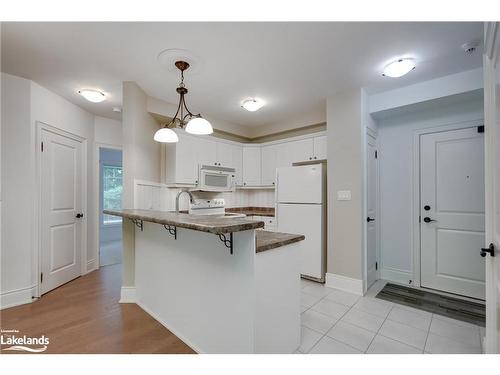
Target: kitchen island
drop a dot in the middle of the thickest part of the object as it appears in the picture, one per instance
(215, 281)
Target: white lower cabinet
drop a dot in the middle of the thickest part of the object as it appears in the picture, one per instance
(269, 222)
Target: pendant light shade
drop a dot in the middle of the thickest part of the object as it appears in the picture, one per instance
(166, 135)
(199, 126)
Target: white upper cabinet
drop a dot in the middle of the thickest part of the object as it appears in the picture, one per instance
(181, 161)
(251, 166)
(255, 164)
(319, 144)
(301, 150)
(225, 154)
(206, 150)
(269, 155)
(231, 155)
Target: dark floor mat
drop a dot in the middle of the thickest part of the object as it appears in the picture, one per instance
(471, 312)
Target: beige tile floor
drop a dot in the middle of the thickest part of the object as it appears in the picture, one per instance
(337, 322)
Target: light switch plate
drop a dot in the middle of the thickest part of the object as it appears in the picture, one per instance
(344, 195)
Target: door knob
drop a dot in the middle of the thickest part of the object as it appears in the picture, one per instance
(490, 249)
(79, 215)
(428, 220)
(368, 219)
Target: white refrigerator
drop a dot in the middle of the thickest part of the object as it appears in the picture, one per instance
(301, 209)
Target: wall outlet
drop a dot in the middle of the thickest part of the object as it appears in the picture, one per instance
(344, 195)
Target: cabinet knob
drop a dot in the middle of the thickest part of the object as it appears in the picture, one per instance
(310, 158)
(315, 157)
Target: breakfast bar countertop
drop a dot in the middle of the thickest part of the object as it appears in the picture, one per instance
(253, 211)
(217, 224)
(265, 240)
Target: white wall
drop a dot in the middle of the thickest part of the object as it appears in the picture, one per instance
(56, 111)
(345, 137)
(141, 154)
(17, 192)
(24, 103)
(107, 131)
(396, 137)
(441, 87)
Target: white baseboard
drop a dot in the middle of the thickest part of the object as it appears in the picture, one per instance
(17, 297)
(347, 284)
(169, 327)
(91, 265)
(127, 294)
(395, 275)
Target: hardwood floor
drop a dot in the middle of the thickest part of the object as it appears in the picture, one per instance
(84, 316)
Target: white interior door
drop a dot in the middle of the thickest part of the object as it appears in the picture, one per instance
(371, 210)
(491, 62)
(452, 211)
(61, 202)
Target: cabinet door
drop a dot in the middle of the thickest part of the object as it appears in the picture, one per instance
(237, 160)
(186, 160)
(206, 150)
(295, 151)
(251, 166)
(320, 147)
(225, 154)
(269, 163)
(301, 150)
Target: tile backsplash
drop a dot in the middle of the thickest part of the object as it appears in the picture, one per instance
(154, 196)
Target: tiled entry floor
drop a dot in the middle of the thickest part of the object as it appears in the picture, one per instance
(337, 322)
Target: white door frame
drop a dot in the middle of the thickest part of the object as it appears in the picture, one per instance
(37, 246)
(415, 208)
(374, 134)
(95, 264)
(491, 65)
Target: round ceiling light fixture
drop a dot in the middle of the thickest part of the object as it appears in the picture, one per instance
(183, 118)
(94, 96)
(399, 68)
(252, 105)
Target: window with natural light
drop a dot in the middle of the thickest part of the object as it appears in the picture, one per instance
(112, 192)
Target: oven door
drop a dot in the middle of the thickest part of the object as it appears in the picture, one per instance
(216, 180)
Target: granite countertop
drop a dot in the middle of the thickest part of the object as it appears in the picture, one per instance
(204, 223)
(253, 211)
(265, 240)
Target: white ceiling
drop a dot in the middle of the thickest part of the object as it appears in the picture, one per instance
(292, 66)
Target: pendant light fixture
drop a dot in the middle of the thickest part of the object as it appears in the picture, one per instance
(183, 118)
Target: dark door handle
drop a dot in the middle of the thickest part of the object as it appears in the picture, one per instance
(428, 219)
(490, 249)
(368, 219)
(79, 215)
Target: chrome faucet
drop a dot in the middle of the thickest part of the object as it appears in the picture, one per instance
(191, 199)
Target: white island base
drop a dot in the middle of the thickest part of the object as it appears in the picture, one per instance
(215, 302)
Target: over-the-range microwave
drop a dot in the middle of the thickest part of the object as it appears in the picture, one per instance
(216, 178)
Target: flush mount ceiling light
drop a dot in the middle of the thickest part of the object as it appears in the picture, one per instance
(399, 68)
(93, 96)
(252, 105)
(183, 118)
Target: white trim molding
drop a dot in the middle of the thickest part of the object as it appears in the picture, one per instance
(17, 297)
(397, 276)
(92, 265)
(347, 284)
(127, 294)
